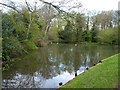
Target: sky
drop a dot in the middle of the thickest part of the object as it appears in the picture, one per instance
(97, 5)
(100, 4)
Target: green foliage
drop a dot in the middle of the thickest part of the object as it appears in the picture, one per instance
(53, 34)
(108, 36)
(94, 34)
(35, 32)
(29, 45)
(86, 36)
(14, 32)
(10, 42)
(79, 26)
(73, 30)
(66, 35)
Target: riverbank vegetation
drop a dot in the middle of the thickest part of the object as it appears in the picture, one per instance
(103, 75)
(25, 28)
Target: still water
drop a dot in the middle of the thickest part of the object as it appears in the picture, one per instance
(48, 66)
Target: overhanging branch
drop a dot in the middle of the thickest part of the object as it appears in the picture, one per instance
(10, 7)
(58, 8)
(28, 6)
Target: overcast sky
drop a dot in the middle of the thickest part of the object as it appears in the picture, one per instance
(91, 4)
(100, 4)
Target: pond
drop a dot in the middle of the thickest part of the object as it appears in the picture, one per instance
(48, 66)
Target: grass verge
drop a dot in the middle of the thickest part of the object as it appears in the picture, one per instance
(104, 75)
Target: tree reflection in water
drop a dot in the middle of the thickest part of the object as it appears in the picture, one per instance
(48, 66)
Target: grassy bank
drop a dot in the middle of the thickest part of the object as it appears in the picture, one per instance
(103, 75)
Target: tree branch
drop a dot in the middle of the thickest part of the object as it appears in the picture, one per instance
(60, 10)
(56, 7)
(28, 6)
(10, 7)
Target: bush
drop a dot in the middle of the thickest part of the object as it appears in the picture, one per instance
(29, 45)
(67, 35)
(10, 45)
(109, 36)
(53, 34)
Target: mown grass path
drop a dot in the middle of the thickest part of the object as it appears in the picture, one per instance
(103, 75)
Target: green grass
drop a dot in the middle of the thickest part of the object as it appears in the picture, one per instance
(104, 75)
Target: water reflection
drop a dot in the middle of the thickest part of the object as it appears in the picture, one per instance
(48, 66)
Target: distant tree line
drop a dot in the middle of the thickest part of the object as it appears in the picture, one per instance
(101, 28)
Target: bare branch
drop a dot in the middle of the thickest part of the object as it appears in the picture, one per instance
(28, 6)
(61, 4)
(56, 7)
(35, 7)
(10, 7)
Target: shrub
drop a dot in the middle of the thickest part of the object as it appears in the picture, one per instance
(109, 36)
